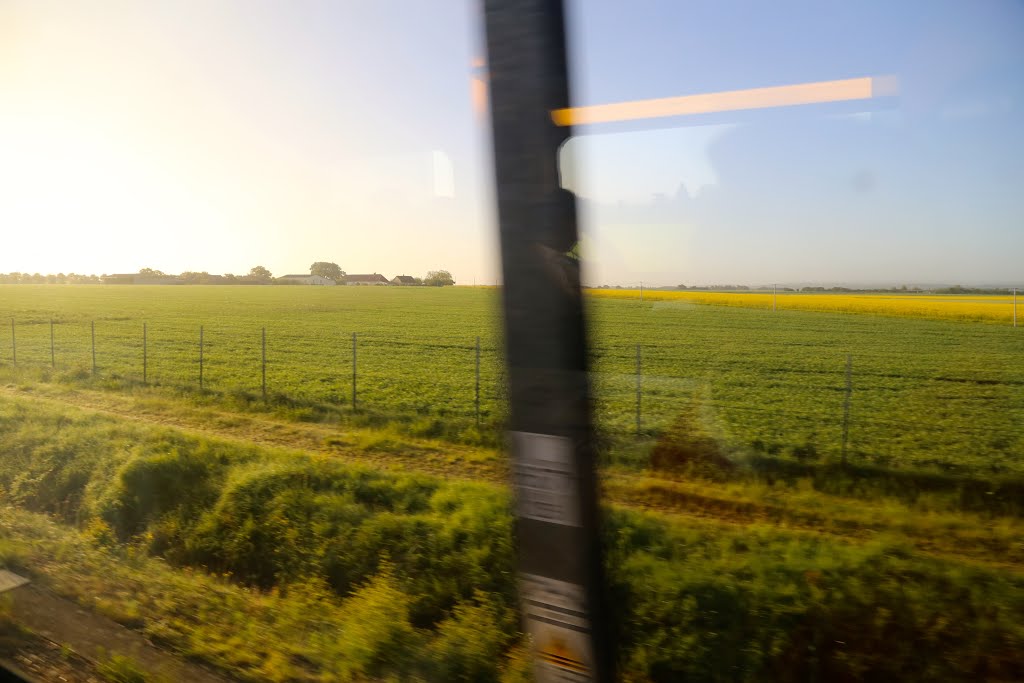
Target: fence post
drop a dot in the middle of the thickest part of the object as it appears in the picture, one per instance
(263, 363)
(145, 360)
(53, 355)
(14, 345)
(639, 390)
(92, 326)
(477, 401)
(200, 358)
(846, 406)
(353, 372)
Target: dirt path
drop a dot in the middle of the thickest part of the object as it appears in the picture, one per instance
(96, 638)
(694, 500)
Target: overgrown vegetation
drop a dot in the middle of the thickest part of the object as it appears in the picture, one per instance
(122, 669)
(279, 565)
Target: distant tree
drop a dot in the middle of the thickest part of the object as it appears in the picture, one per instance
(260, 273)
(196, 278)
(438, 278)
(151, 272)
(327, 269)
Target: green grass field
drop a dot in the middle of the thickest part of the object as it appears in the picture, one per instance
(934, 395)
(375, 545)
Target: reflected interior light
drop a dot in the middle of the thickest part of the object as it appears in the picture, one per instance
(478, 86)
(731, 100)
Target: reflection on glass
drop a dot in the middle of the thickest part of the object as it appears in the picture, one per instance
(801, 235)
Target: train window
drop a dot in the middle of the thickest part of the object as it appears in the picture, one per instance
(283, 288)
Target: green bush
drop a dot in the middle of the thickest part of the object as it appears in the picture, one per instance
(377, 638)
(170, 479)
(425, 568)
(469, 645)
(758, 605)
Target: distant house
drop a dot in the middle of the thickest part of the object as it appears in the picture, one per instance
(306, 280)
(403, 280)
(371, 279)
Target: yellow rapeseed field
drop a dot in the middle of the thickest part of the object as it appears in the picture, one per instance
(994, 309)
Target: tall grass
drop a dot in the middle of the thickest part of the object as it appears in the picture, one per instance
(381, 574)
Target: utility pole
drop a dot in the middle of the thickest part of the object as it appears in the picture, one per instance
(560, 560)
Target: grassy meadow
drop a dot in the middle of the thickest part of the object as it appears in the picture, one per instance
(295, 539)
(934, 394)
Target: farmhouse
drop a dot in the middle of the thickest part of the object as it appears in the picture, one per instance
(306, 280)
(403, 280)
(371, 279)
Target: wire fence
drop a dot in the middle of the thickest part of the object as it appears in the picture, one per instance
(451, 378)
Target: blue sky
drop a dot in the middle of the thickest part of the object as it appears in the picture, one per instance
(217, 136)
(921, 188)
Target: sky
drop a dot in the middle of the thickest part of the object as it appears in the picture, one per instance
(195, 135)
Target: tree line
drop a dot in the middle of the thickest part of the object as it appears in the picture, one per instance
(257, 275)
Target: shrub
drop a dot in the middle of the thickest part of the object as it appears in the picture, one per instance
(376, 637)
(469, 644)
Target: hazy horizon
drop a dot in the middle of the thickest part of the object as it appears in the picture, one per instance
(190, 136)
(652, 284)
